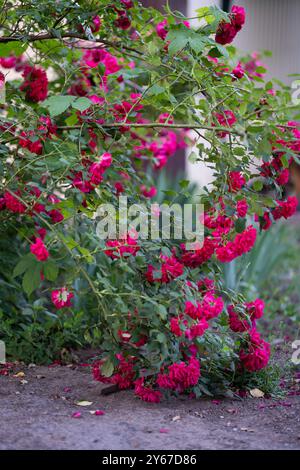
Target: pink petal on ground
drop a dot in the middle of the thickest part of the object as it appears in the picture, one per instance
(76, 414)
(164, 431)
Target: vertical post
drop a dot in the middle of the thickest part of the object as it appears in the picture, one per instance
(226, 5)
(2, 352)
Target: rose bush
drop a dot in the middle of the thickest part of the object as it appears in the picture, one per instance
(106, 93)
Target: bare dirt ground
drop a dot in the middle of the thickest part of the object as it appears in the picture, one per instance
(36, 413)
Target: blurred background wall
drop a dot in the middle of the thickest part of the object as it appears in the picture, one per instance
(272, 25)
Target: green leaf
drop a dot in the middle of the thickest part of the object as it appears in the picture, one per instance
(184, 184)
(85, 252)
(211, 14)
(265, 147)
(193, 157)
(256, 126)
(161, 338)
(196, 43)
(178, 44)
(218, 51)
(240, 225)
(107, 368)
(24, 264)
(32, 279)
(16, 48)
(50, 270)
(261, 70)
(162, 312)
(70, 242)
(285, 161)
(49, 46)
(258, 185)
(178, 37)
(58, 104)
(239, 151)
(72, 120)
(203, 12)
(155, 90)
(81, 104)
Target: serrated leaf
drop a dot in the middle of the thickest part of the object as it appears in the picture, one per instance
(178, 37)
(265, 146)
(155, 90)
(81, 103)
(177, 44)
(71, 120)
(32, 279)
(85, 252)
(193, 157)
(218, 51)
(107, 368)
(50, 270)
(24, 264)
(239, 151)
(256, 126)
(258, 185)
(162, 312)
(240, 225)
(196, 43)
(58, 104)
(15, 47)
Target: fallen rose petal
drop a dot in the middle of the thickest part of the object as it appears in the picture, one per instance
(285, 403)
(76, 414)
(164, 431)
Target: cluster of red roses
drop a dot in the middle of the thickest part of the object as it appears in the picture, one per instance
(221, 242)
(180, 377)
(227, 31)
(243, 319)
(194, 321)
(218, 243)
(95, 172)
(35, 84)
(126, 246)
(13, 203)
(45, 130)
